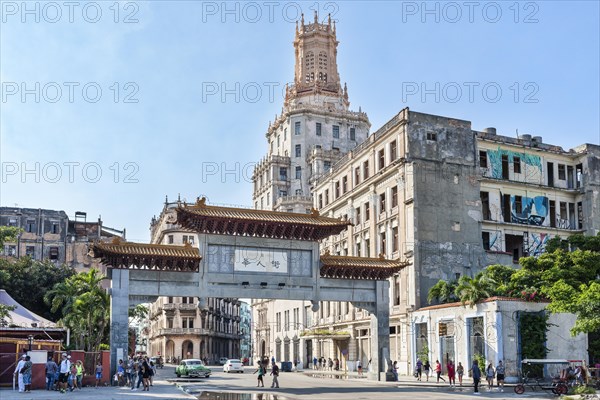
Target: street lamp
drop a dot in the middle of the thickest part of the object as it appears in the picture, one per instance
(30, 341)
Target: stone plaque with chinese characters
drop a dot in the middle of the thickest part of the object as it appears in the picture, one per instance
(249, 259)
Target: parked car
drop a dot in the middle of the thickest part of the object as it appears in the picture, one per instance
(233, 365)
(192, 367)
(223, 360)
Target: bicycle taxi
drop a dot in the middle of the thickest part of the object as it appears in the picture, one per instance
(534, 373)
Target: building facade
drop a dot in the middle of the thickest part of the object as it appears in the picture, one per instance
(178, 328)
(315, 128)
(51, 235)
(424, 189)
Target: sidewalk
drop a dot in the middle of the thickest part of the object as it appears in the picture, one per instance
(161, 390)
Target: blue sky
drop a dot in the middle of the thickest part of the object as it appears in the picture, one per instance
(158, 128)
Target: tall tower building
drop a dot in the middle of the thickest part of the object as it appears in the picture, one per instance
(315, 127)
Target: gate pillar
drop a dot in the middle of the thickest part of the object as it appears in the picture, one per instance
(381, 365)
(119, 317)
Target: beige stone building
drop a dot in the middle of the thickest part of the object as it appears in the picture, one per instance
(177, 327)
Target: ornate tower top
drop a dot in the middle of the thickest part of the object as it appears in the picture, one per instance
(316, 71)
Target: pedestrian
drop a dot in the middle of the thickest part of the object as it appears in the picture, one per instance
(146, 373)
(438, 371)
(98, 372)
(395, 370)
(261, 372)
(19, 375)
(273, 360)
(460, 370)
(121, 373)
(153, 372)
(337, 364)
(419, 369)
(51, 369)
(80, 373)
(72, 377)
(489, 376)
(369, 366)
(314, 362)
(500, 375)
(132, 372)
(451, 373)
(275, 374)
(26, 371)
(330, 364)
(140, 372)
(427, 369)
(63, 373)
(359, 367)
(476, 374)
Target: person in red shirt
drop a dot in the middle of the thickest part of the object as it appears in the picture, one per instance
(438, 371)
(451, 373)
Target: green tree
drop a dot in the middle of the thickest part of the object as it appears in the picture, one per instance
(8, 234)
(28, 281)
(471, 290)
(583, 302)
(5, 318)
(84, 306)
(443, 292)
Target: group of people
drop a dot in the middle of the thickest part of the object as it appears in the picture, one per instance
(262, 371)
(136, 367)
(454, 370)
(61, 377)
(323, 364)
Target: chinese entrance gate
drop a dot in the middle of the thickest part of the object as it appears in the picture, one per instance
(247, 253)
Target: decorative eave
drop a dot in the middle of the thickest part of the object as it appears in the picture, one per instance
(128, 255)
(204, 218)
(359, 267)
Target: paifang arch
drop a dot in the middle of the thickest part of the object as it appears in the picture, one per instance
(245, 253)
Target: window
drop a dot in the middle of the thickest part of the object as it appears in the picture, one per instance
(394, 196)
(485, 205)
(54, 227)
(318, 129)
(170, 239)
(367, 211)
(383, 247)
(278, 322)
(187, 322)
(30, 251)
(326, 196)
(562, 174)
(344, 184)
(320, 201)
(393, 151)
(30, 227)
(552, 214)
(286, 322)
(352, 133)
(485, 236)
(367, 248)
(278, 143)
(337, 189)
(381, 157)
(298, 192)
(356, 176)
(188, 239)
(170, 300)
(297, 128)
(483, 159)
(10, 250)
(366, 170)
(282, 174)
(12, 222)
(326, 166)
(517, 165)
(518, 204)
(432, 136)
(394, 239)
(298, 149)
(336, 132)
(53, 253)
(298, 172)
(357, 215)
(397, 290)
(382, 203)
(170, 322)
(284, 134)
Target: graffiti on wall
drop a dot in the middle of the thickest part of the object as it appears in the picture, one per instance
(531, 165)
(534, 210)
(496, 241)
(536, 244)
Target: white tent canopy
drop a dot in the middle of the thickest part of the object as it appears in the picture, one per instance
(21, 316)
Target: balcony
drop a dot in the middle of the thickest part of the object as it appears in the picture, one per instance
(307, 200)
(184, 331)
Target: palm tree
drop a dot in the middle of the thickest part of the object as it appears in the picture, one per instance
(443, 291)
(471, 290)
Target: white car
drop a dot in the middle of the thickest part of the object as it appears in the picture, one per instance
(233, 365)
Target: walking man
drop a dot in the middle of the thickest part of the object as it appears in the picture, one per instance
(51, 370)
(476, 372)
(314, 362)
(500, 375)
(63, 373)
(275, 374)
(19, 374)
(26, 371)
